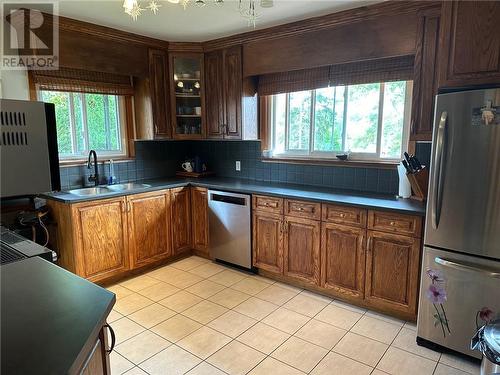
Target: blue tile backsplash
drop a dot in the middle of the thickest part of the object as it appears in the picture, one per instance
(159, 159)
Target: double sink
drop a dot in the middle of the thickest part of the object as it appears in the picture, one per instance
(109, 189)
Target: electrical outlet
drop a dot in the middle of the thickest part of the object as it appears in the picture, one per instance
(238, 165)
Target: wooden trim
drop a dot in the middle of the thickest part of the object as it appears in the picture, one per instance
(195, 47)
(104, 32)
(264, 123)
(390, 8)
(336, 163)
(130, 126)
(80, 162)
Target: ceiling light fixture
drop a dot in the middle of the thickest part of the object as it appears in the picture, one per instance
(247, 8)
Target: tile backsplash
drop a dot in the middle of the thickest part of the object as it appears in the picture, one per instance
(159, 159)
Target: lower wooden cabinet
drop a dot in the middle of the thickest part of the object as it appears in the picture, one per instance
(101, 238)
(301, 249)
(199, 219)
(149, 227)
(343, 260)
(392, 269)
(181, 219)
(268, 241)
(97, 361)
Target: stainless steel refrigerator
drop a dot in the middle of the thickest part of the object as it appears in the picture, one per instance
(460, 279)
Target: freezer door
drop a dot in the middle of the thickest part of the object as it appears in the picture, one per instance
(465, 286)
(463, 211)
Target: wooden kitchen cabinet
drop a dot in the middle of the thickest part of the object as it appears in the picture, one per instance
(301, 249)
(149, 227)
(181, 219)
(392, 272)
(224, 79)
(469, 43)
(101, 238)
(268, 241)
(425, 77)
(97, 362)
(159, 90)
(199, 219)
(343, 260)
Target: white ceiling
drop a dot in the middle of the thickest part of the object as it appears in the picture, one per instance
(173, 23)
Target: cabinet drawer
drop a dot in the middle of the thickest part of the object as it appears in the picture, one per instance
(268, 204)
(310, 210)
(395, 223)
(353, 216)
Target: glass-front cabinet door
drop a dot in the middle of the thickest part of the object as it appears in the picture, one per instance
(187, 95)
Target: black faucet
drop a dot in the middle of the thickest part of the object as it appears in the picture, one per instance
(93, 177)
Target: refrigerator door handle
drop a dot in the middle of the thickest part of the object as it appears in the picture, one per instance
(437, 187)
(467, 267)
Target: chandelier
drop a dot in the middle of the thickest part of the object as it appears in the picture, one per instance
(247, 8)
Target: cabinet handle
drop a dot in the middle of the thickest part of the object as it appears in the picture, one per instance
(342, 215)
(156, 129)
(392, 223)
(129, 207)
(113, 338)
(301, 208)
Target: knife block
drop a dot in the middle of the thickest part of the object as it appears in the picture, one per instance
(419, 182)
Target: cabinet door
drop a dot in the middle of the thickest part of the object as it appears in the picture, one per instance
(149, 227)
(199, 218)
(343, 260)
(302, 249)
(267, 241)
(158, 77)
(214, 94)
(425, 76)
(470, 43)
(233, 80)
(181, 219)
(101, 238)
(392, 271)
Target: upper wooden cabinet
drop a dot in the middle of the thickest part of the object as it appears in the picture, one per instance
(187, 95)
(159, 91)
(301, 249)
(469, 43)
(181, 219)
(199, 219)
(149, 227)
(343, 260)
(425, 76)
(392, 269)
(224, 81)
(101, 240)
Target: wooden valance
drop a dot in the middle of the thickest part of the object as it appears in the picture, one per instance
(380, 70)
(77, 80)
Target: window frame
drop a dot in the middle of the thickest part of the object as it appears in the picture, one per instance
(122, 122)
(312, 154)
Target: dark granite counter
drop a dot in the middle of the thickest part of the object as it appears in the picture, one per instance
(50, 318)
(312, 193)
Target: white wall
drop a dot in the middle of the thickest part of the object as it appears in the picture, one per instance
(14, 84)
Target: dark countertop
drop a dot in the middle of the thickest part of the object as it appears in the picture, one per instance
(49, 317)
(312, 193)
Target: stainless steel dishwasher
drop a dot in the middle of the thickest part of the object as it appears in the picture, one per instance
(230, 227)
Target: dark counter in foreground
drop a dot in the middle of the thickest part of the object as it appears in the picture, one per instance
(50, 318)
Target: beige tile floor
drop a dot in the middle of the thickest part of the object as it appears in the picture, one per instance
(200, 318)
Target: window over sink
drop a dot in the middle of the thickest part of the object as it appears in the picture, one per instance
(369, 120)
(88, 121)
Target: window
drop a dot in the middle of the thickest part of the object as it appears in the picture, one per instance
(88, 121)
(368, 120)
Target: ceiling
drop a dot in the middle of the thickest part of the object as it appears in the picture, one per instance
(173, 23)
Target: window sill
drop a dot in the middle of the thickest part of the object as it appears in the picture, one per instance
(78, 162)
(330, 162)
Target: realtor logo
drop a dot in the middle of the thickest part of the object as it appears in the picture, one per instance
(30, 36)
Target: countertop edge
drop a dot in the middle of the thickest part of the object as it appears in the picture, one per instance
(406, 206)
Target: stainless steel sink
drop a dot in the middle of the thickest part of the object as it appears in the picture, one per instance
(99, 190)
(128, 186)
